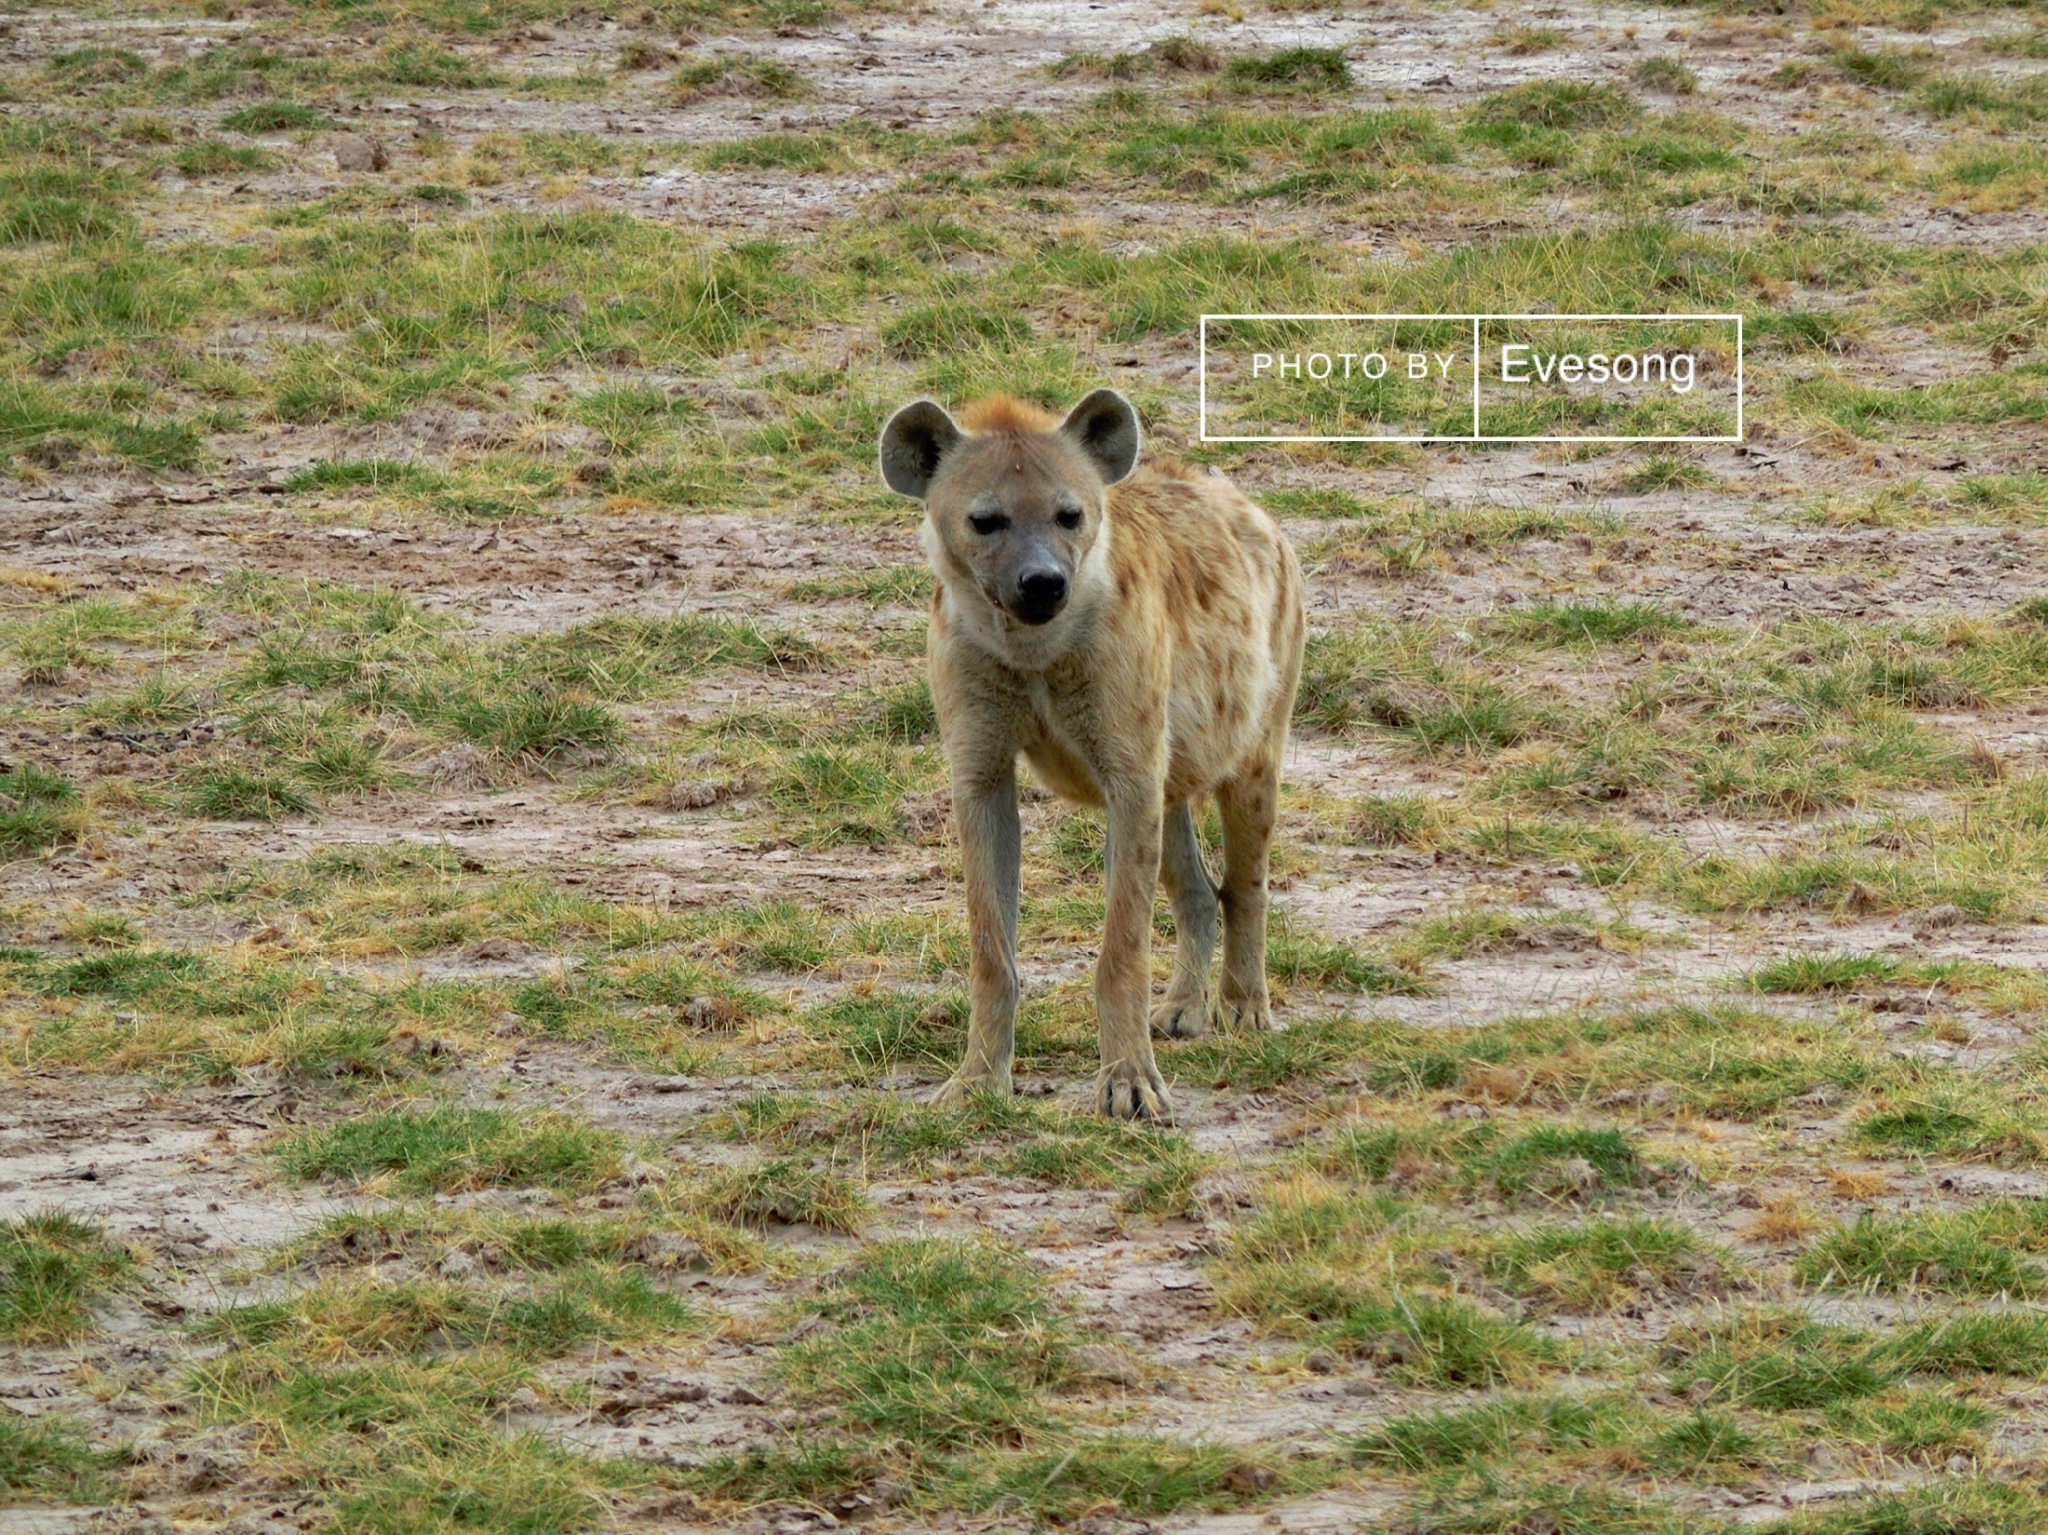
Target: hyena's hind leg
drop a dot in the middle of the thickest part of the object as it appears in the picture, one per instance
(1185, 1012)
(1248, 805)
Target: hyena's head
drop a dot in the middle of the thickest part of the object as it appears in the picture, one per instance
(1013, 498)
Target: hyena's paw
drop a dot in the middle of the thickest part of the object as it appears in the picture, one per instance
(1248, 1010)
(1128, 1091)
(1181, 1017)
(964, 1083)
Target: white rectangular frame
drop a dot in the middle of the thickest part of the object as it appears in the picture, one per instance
(1478, 320)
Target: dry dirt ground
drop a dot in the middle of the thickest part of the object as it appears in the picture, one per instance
(480, 909)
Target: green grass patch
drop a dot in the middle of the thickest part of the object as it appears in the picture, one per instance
(1139, 1475)
(886, 585)
(1973, 1342)
(210, 157)
(807, 152)
(360, 474)
(33, 420)
(938, 1344)
(737, 75)
(1957, 1118)
(1659, 473)
(832, 796)
(1958, 1506)
(1504, 1430)
(1259, 1061)
(1563, 1161)
(500, 1242)
(1603, 1264)
(1811, 974)
(46, 1457)
(53, 1266)
(37, 810)
(1927, 1426)
(1780, 1362)
(1717, 1061)
(1393, 820)
(1154, 1171)
(276, 117)
(624, 658)
(541, 726)
(1342, 1268)
(394, 1444)
(1411, 1151)
(178, 1014)
(1445, 1342)
(1295, 958)
(1360, 677)
(1982, 1250)
(1298, 69)
(883, 1031)
(234, 794)
(1569, 105)
(363, 1316)
(1594, 623)
(1666, 76)
(96, 64)
(784, 1191)
(446, 1149)
(885, 1129)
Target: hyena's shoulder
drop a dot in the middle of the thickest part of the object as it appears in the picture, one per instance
(1190, 514)
(1198, 546)
(1179, 498)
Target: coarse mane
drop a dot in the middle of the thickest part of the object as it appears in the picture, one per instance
(1006, 414)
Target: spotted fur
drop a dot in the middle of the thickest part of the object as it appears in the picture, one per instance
(1166, 678)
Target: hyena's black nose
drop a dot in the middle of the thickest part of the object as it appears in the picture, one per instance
(1040, 594)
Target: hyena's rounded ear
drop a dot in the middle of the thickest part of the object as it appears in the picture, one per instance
(913, 442)
(1106, 426)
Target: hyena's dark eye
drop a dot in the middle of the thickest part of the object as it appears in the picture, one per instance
(1069, 520)
(993, 522)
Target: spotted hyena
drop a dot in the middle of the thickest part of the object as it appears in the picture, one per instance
(1136, 633)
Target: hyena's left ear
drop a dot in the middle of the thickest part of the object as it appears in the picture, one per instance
(1106, 427)
(913, 442)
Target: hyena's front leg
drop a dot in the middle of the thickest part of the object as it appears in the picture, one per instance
(1248, 805)
(1130, 1086)
(991, 844)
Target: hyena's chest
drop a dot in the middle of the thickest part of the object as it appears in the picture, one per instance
(1083, 734)
(1059, 728)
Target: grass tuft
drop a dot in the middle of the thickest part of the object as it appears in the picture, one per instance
(783, 1192)
(37, 810)
(1987, 1249)
(233, 794)
(276, 117)
(53, 1266)
(448, 1149)
(362, 1316)
(1666, 76)
(1595, 623)
(941, 1344)
(1777, 1361)
(1304, 69)
(1564, 1161)
(46, 1457)
(1604, 1264)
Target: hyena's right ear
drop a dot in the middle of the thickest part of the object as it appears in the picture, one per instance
(913, 442)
